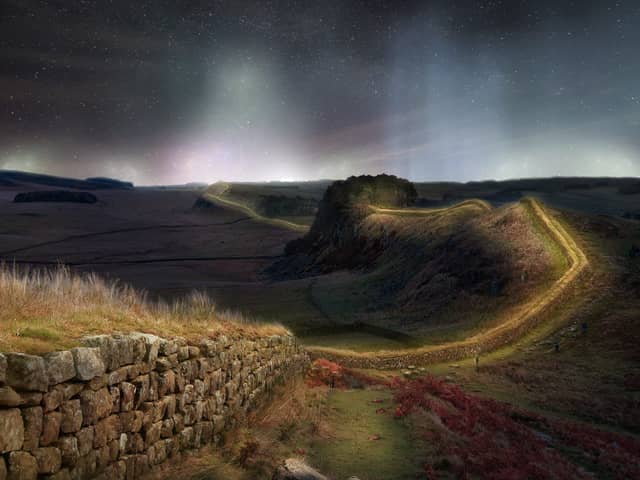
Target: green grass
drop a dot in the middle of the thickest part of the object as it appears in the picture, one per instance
(349, 451)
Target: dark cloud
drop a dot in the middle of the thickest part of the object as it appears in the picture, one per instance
(166, 91)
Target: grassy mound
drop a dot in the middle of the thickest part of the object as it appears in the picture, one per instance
(44, 310)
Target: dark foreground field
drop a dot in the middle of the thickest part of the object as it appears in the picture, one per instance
(572, 383)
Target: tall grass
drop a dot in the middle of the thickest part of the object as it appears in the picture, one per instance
(45, 309)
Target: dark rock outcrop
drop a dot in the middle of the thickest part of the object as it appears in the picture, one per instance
(55, 196)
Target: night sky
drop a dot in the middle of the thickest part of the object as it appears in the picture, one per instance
(171, 91)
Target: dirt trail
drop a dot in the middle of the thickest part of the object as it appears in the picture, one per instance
(504, 334)
(278, 222)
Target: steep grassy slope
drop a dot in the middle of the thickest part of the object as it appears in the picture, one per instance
(437, 275)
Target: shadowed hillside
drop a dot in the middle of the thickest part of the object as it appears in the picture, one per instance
(420, 270)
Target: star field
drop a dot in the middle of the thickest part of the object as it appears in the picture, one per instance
(168, 92)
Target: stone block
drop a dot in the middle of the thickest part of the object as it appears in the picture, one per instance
(85, 440)
(22, 466)
(106, 430)
(53, 398)
(60, 367)
(95, 405)
(88, 362)
(9, 397)
(50, 428)
(127, 396)
(33, 420)
(69, 453)
(49, 459)
(26, 372)
(142, 390)
(12, 428)
(71, 416)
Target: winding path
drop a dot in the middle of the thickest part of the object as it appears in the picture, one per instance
(278, 222)
(491, 339)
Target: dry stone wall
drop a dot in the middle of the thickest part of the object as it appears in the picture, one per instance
(120, 404)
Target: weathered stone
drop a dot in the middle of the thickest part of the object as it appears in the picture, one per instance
(72, 389)
(142, 466)
(115, 399)
(63, 474)
(114, 449)
(95, 405)
(71, 416)
(123, 345)
(3, 469)
(22, 466)
(68, 446)
(9, 397)
(167, 428)
(163, 364)
(12, 428)
(96, 383)
(186, 438)
(108, 350)
(166, 383)
(118, 376)
(32, 417)
(50, 428)
(183, 353)
(296, 469)
(49, 459)
(88, 362)
(127, 396)
(26, 372)
(152, 346)
(167, 347)
(31, 399)
(106, 430)
(60, 367)
(142, 390)
(152, 434)
(85, 440)
(103, 458)
(53, 398)
(86, 466)
(135, 443)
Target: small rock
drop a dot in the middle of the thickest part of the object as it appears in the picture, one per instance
(296, 469)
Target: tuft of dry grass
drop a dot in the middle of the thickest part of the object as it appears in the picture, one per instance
(48, 309)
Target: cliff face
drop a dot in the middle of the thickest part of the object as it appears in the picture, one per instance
(121, 404)
(344, 205)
